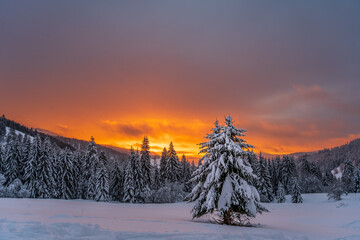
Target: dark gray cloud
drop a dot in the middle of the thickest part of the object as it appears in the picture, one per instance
(294, 64)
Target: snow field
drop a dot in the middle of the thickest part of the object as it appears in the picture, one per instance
(316, 218)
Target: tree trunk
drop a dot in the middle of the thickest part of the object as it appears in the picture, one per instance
(227, 217)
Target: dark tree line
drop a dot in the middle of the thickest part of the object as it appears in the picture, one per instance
(36, 168)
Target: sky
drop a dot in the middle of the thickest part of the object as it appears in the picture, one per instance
(286, 71)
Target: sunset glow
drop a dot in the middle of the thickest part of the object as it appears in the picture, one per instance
(124, 70)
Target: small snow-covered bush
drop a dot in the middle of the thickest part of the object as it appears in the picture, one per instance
(15, 190)
(336, 191)
(170, 193)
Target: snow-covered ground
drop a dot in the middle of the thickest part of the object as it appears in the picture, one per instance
(316, 218)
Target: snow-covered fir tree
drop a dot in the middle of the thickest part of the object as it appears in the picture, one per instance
(156, 179)
(336, 191)
(45, 174)
(185, 174)
(45, 167)
(102, 180)
(173, 168)
(77, 168)
(224, 180)
(348, 177)
(145, 161)
(163, 161)
(275, 174)
(67, 175)
(141, 189)
(288, 172)
(12, 161)
(117, 182)
(90, 160)
(310, 176)
(25, 155)
(1, 160)
(296, 192)
(129, 182)
(32, 168)
(280, 194)
(265, 187)
(357, 181)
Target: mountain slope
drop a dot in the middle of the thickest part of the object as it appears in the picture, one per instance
(61, 142)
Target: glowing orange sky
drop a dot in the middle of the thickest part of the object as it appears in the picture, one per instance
(288, 73)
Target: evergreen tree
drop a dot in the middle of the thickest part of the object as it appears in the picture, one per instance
(2, 130)
(186, 174)
(157, 182)
(255, 165)
(2, 161)
(45, 175)
(117, 183)
(311, 179)
(265, 186)
(288, 169)
(348, 176)
(280, 193)
(193, 167)
(102, 186)
(224, 180)
(12, 161)
(275, 174)
(141, 190)
(173, 169)
(129, 182)
(90, 160)
(77, 168)
(25, 155)
(336, 191)
(163, 161)
(32, 168)
(296, 192)
(67, 175)
(357, 181)
(146, 162)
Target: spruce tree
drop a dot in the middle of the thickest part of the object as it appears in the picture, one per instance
(357, 182)
(186, 174)
(67, 175)
(296, 192)
(25, 155)
(336, 191)
(90, 160)
(1, 160)
(348, 176)
(102, 180)
(288, 169)
(45, 176)
(157, 182)
(265, 186)
(163, 161)
(12, 161)
(129, 182)
(77, 168)
(172, 169)
(224, 180)
(32, 168)
(117, 183)
(141, 189)
(280, 195)
(146, 162)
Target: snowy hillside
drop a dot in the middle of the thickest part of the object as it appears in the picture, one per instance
(316, 218)
(337, 172)
(8, 130)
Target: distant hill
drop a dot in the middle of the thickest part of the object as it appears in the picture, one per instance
(329, 159)
(61, 142)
